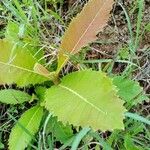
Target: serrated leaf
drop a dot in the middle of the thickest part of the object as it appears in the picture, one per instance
(60, 131)
(23, 132)
(16, 65)
(10, 96)
(84, 28)
(130, 91)
(86, 98)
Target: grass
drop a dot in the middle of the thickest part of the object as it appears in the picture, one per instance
(45, 22)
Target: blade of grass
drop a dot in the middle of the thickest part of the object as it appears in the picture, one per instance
(139, 21)
(79, 137)
(131, 44)
(102, 142)
(68, 143)
(137, 117)
(44, 129)
(20, 10)
(13, 10)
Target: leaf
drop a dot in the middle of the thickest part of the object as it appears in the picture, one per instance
(79, 137)
(10, 96)
(137, 117)
(41, 70)
(129, 90)
(12, 32)
(20, 34)
(23, 132)
(86, 98)
(40, 92)
(61, 132)
(84, 28)
(16, 65)
(129, 144)
(1, 145)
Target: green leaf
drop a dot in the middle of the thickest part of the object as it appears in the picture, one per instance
(17, 64)
(40, 92)
(137, 117)
(1, 145)
(10, 96)
(12, 32)
(86, 98)
(61, 132)
(129, 90)
(79, 137)
(129, 144)
(147, 27)
(19, 34)
(23, 132)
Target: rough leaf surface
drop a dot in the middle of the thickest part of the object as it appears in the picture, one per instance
(84, 28)
(86, 98)
(30, 121)
(16, 65)
(10, 96)
(129, 90)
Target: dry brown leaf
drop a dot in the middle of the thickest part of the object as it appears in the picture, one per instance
(84, 28)
(42, 70)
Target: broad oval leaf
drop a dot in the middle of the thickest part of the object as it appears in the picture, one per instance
(23, 132)
(10, 96)
(84, 28)
(86, 98)
(17, 65)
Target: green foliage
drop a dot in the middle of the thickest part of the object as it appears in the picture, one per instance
(14, 32)
(90, 95)
(129, 90)
(124, 53)
(1, 145)
(79, 137)
(85, 98)
(61, 132)
(17, 65)
(23, 132)
(128, 139)
(129, 144)
(10, 96)
(40, 92)
(19, 34)
(137, 117)
(147, 27)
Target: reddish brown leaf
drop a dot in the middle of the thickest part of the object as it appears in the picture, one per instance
(38, 68)
(84, 28)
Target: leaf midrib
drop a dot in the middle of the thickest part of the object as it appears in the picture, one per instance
(83, 33)
(21, 68)
(29, 123)
(88, 26)
(81, 97)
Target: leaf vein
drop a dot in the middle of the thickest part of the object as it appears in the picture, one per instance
(81, 97)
